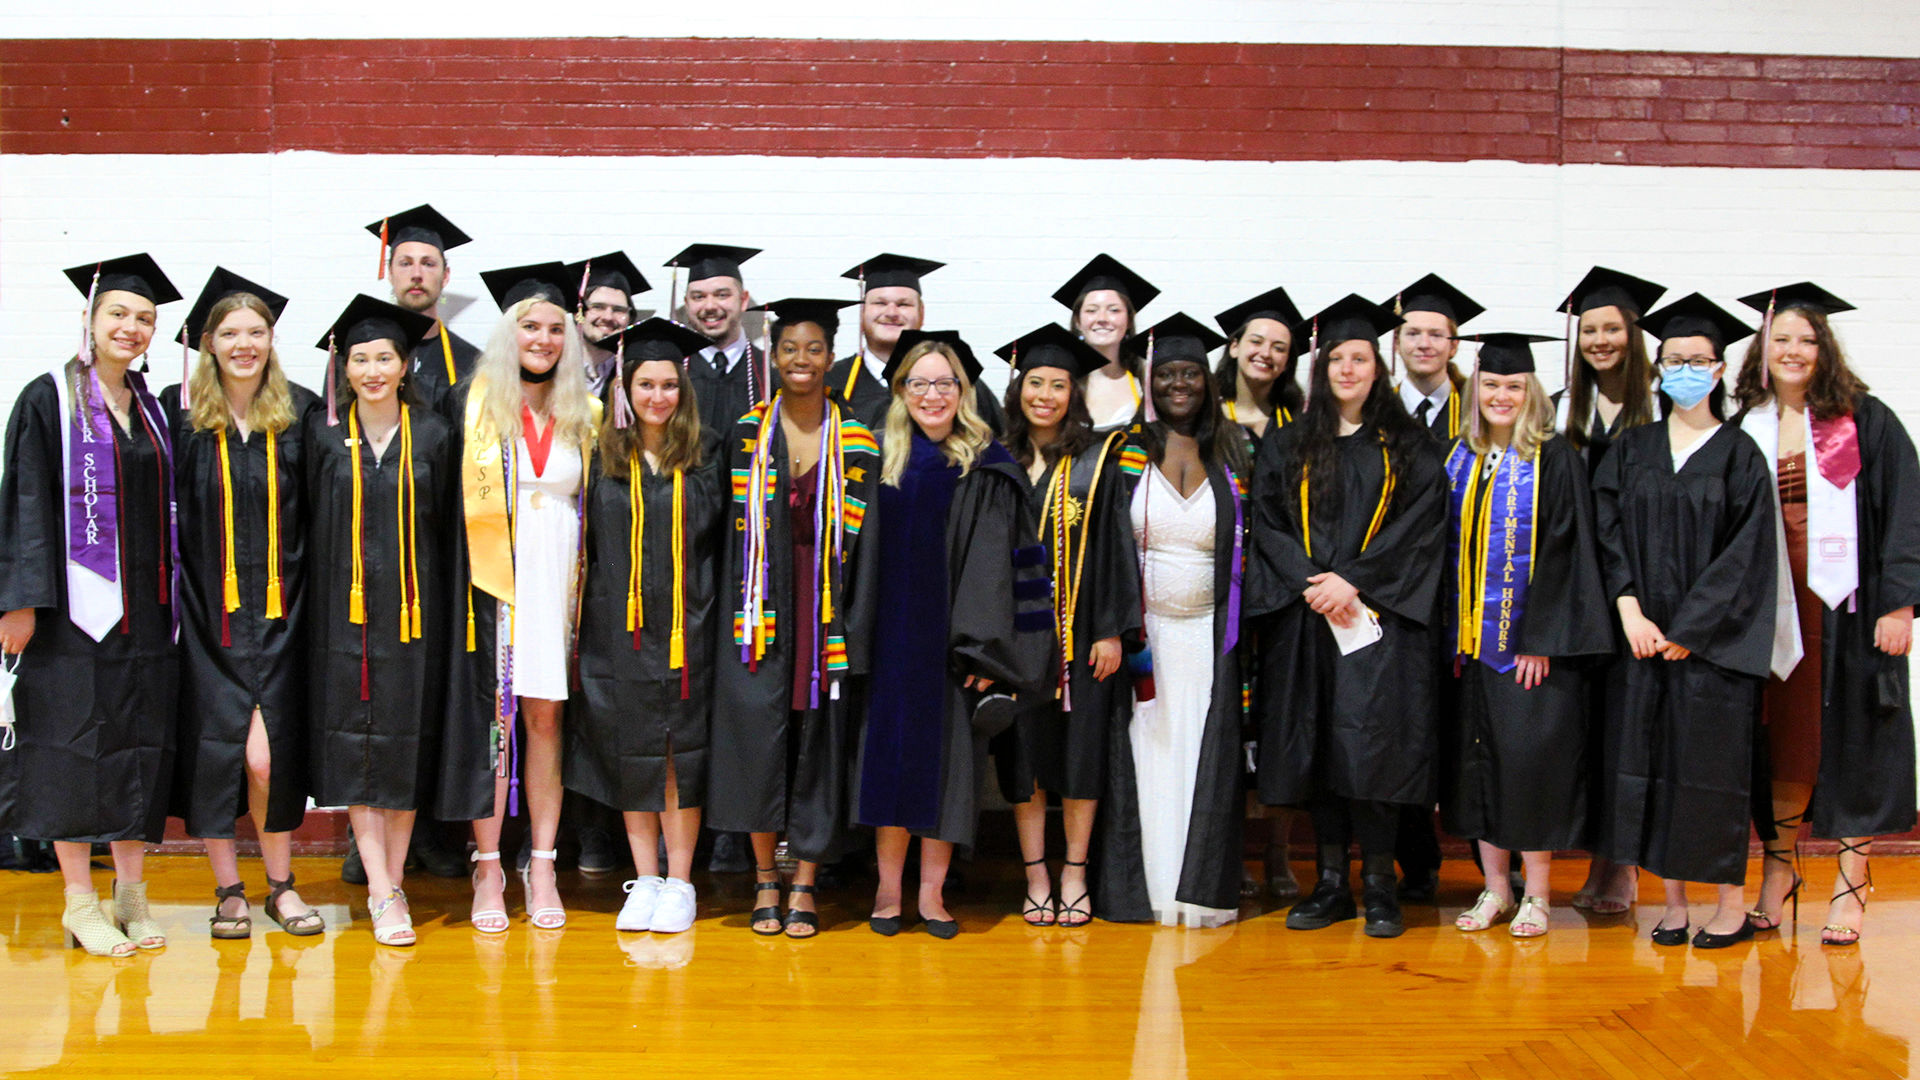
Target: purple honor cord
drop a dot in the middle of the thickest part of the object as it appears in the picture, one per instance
(819, 559)
(1231, 636)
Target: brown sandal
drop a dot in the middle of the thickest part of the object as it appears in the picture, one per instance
(306, 924)
(230, 927)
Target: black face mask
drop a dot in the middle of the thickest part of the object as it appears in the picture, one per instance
(540, 377)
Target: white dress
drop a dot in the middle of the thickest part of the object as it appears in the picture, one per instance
(545, 556)
(1166, 732)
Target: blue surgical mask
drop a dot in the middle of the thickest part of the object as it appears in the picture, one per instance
(1687, 386)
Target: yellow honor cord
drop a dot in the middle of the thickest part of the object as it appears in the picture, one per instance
(1379, 510)
(409, 499)
(446, 352)
(853, 376)
(832, 511)
(677, 644)
(276, 605)
(229, 571)
(636, 540)
(357, 592)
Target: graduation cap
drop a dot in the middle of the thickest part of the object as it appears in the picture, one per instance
(1694, 315)
(1106, 272)
(1273, 304)
(221, 284)
(949, 338)
(1505, 354)
(889, 270)
(420, 225)
(1434, 293)
(1805, 294)
(1179, 336)
(137, 274)
(366, 319)
(796, 309)
(612, 270)
(645, 341)
(703, 261)
(548, 281)
(1350, 318)
(1611, 288)
(1052, 346)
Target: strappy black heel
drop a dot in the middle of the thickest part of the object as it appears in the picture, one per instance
(1834, 933)
(808, 919)
(1044, 913)
(1757, 917)
(1074, 914)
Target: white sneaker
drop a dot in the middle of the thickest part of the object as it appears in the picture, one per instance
(637, 913)
(673, 911)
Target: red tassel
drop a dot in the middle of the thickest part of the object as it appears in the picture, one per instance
(683, 683)
(226, 632)
(636, 639)
(366, 685)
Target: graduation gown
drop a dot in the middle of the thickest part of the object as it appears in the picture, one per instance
(1210, 871)
(854, 386)
(428, 367)
(961, 591)
(234, 661)
(725, 397)
(1516, 763)
(1696, 548)
(94, 720)
(1866, 780)
(635, 712)
(1446, 423)
(1064, 750)
(1360, 726)
(376, 749)
(776, 769)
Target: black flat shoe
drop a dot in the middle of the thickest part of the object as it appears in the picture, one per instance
(944, 929)
(1331, 902)
(1704, 940)
(1420, 886)
(1382, 910)
(884, 925)
(1671, 936)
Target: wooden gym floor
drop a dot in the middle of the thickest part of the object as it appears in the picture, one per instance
(1593, 998)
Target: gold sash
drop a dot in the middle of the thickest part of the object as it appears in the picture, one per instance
(487, 502)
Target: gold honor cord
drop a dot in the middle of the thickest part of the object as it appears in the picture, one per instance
(853, 376)
(356, 593)
(637, 555)
(230, 571)
(1069, 565)
(1476, 536)
(1379, 511)
(446, 353)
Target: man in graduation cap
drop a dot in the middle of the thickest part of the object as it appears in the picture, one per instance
(730, 375)
(891, 302)
(1433, 312)
(415, 264)
(608, 284)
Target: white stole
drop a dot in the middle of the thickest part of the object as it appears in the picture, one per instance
(1833, 527)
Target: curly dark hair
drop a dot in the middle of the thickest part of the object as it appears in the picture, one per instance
(1834, 387)
(1382, 411)
(1076, 430)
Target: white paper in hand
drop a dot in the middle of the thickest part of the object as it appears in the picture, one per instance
(1363, 631)
(9, 671)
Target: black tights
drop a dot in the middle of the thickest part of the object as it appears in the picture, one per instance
(1338, 822)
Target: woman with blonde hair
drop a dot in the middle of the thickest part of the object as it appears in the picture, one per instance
(1525, 606)
(526, 424)
(953, 511)
(243, 708)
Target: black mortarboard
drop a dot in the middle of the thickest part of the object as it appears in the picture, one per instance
(1053, 346)
(1352, 317)
(1694, 315)
(137, 274)
(612, 270)
(1106, 272)
(221, 284)
(1434, 293)
(422, 224)
(549, 281)
(1504, 353)
(1611, 288)
(655, 339)
(703, 261)
(949, 338)
(1179, 336)
(1804, 294)
(823, 313)
(1273, 304)
(886, 270)
(367, 319)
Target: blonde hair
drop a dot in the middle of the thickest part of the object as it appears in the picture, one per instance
(271, 409)
(965, 443)
(571, 402)
(1531, 429)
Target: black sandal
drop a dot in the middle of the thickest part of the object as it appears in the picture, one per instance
(230, 927)
(794, 918)
(1048, 909)
(306, 924)
(1070, 910)
(1834, 933)
(767, 914)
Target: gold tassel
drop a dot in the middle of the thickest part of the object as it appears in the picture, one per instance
(677, 645)
(412, 531)
(276, 604)
(357, 595)
(229, 571)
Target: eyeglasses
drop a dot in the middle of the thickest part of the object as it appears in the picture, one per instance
(609, 309)
(1697, 363)
(932, 387)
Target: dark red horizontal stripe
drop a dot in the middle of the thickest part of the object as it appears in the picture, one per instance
(958, 99)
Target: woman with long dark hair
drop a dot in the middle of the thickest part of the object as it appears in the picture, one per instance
(1105, 298)
(1348, 513)
(1059, 739)
(1839, 722)
(1255, 374)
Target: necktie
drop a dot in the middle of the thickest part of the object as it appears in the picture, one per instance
(1425, 410)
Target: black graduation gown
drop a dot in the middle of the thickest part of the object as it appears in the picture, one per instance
(429, 367)
(1442, 424)
(725, 397)
(1866, 782)
(378, 751)
(234, 661)
(1360, 726)
(1516, 763)
(94, 720)
(635, 712)
(1065, 751)
(854, 386)
(1697, 549)
(920, 758)
(1210, 871)
(774, 769)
